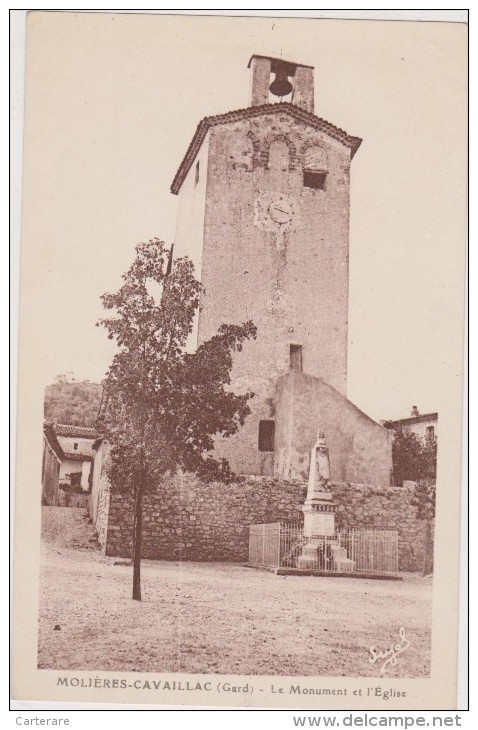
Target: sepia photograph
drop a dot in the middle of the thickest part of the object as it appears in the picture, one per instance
(241, 360)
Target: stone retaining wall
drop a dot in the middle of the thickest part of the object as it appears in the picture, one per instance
(188, 520)
(383, 507)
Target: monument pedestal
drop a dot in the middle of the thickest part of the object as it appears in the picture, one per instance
(319, 522)
(319, 515)
(309, 557)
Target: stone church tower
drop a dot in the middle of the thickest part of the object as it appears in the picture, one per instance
(264, 197)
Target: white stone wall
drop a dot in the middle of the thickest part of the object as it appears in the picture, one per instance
(100, 495)
(95, 487)
(69, 466)
(101, 522)
(67, 443)
(420, 429)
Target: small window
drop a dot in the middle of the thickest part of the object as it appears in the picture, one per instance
(296, 358)
(196, 174)
(430, 433)
(75, 447)
(314, 180)
(266, 435)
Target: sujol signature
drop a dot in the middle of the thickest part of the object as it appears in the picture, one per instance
(391, 653)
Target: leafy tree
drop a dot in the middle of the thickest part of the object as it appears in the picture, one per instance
(413, 458)
(424, 501)
(429, 455)
(163, 406)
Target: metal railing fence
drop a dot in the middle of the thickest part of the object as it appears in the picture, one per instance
(359, 550)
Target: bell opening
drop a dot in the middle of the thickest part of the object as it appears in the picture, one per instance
(281, 86)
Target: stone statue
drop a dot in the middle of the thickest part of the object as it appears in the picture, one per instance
(319, 518)
(319, 507)
(319, 471)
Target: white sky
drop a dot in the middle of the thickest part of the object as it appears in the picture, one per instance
(112, 102)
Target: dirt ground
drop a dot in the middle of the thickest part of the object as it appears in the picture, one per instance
(217, 617)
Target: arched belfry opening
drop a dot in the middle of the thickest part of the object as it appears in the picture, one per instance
(275, 80)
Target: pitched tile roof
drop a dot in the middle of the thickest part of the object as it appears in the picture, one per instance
(256, 111)
(62, 429)
(51, 430)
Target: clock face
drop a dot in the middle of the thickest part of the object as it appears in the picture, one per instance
(280, 210)
(276, 212)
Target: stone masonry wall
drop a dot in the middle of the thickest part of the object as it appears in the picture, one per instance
(383, 507)
(188, 520)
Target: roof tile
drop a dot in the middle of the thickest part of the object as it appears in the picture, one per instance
(62, 429)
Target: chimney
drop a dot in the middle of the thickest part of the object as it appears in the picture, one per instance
(415, 411)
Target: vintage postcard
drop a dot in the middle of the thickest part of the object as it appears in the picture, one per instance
(241, 361)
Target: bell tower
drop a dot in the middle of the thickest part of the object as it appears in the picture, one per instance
(264, 212)
(274, 77)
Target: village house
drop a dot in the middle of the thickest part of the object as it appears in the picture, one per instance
(423, 425)
(68, 458)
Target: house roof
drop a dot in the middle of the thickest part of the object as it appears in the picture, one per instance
(284, 107)
(51, 430)
(411, 420)
(76, 456)
(62, 429)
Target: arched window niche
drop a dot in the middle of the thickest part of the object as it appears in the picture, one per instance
(279, 156)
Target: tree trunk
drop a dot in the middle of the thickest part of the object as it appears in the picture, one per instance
(137, 543)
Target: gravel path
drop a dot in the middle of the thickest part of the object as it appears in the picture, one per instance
(217, 617)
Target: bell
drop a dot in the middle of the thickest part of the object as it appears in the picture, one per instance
(281, 85)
